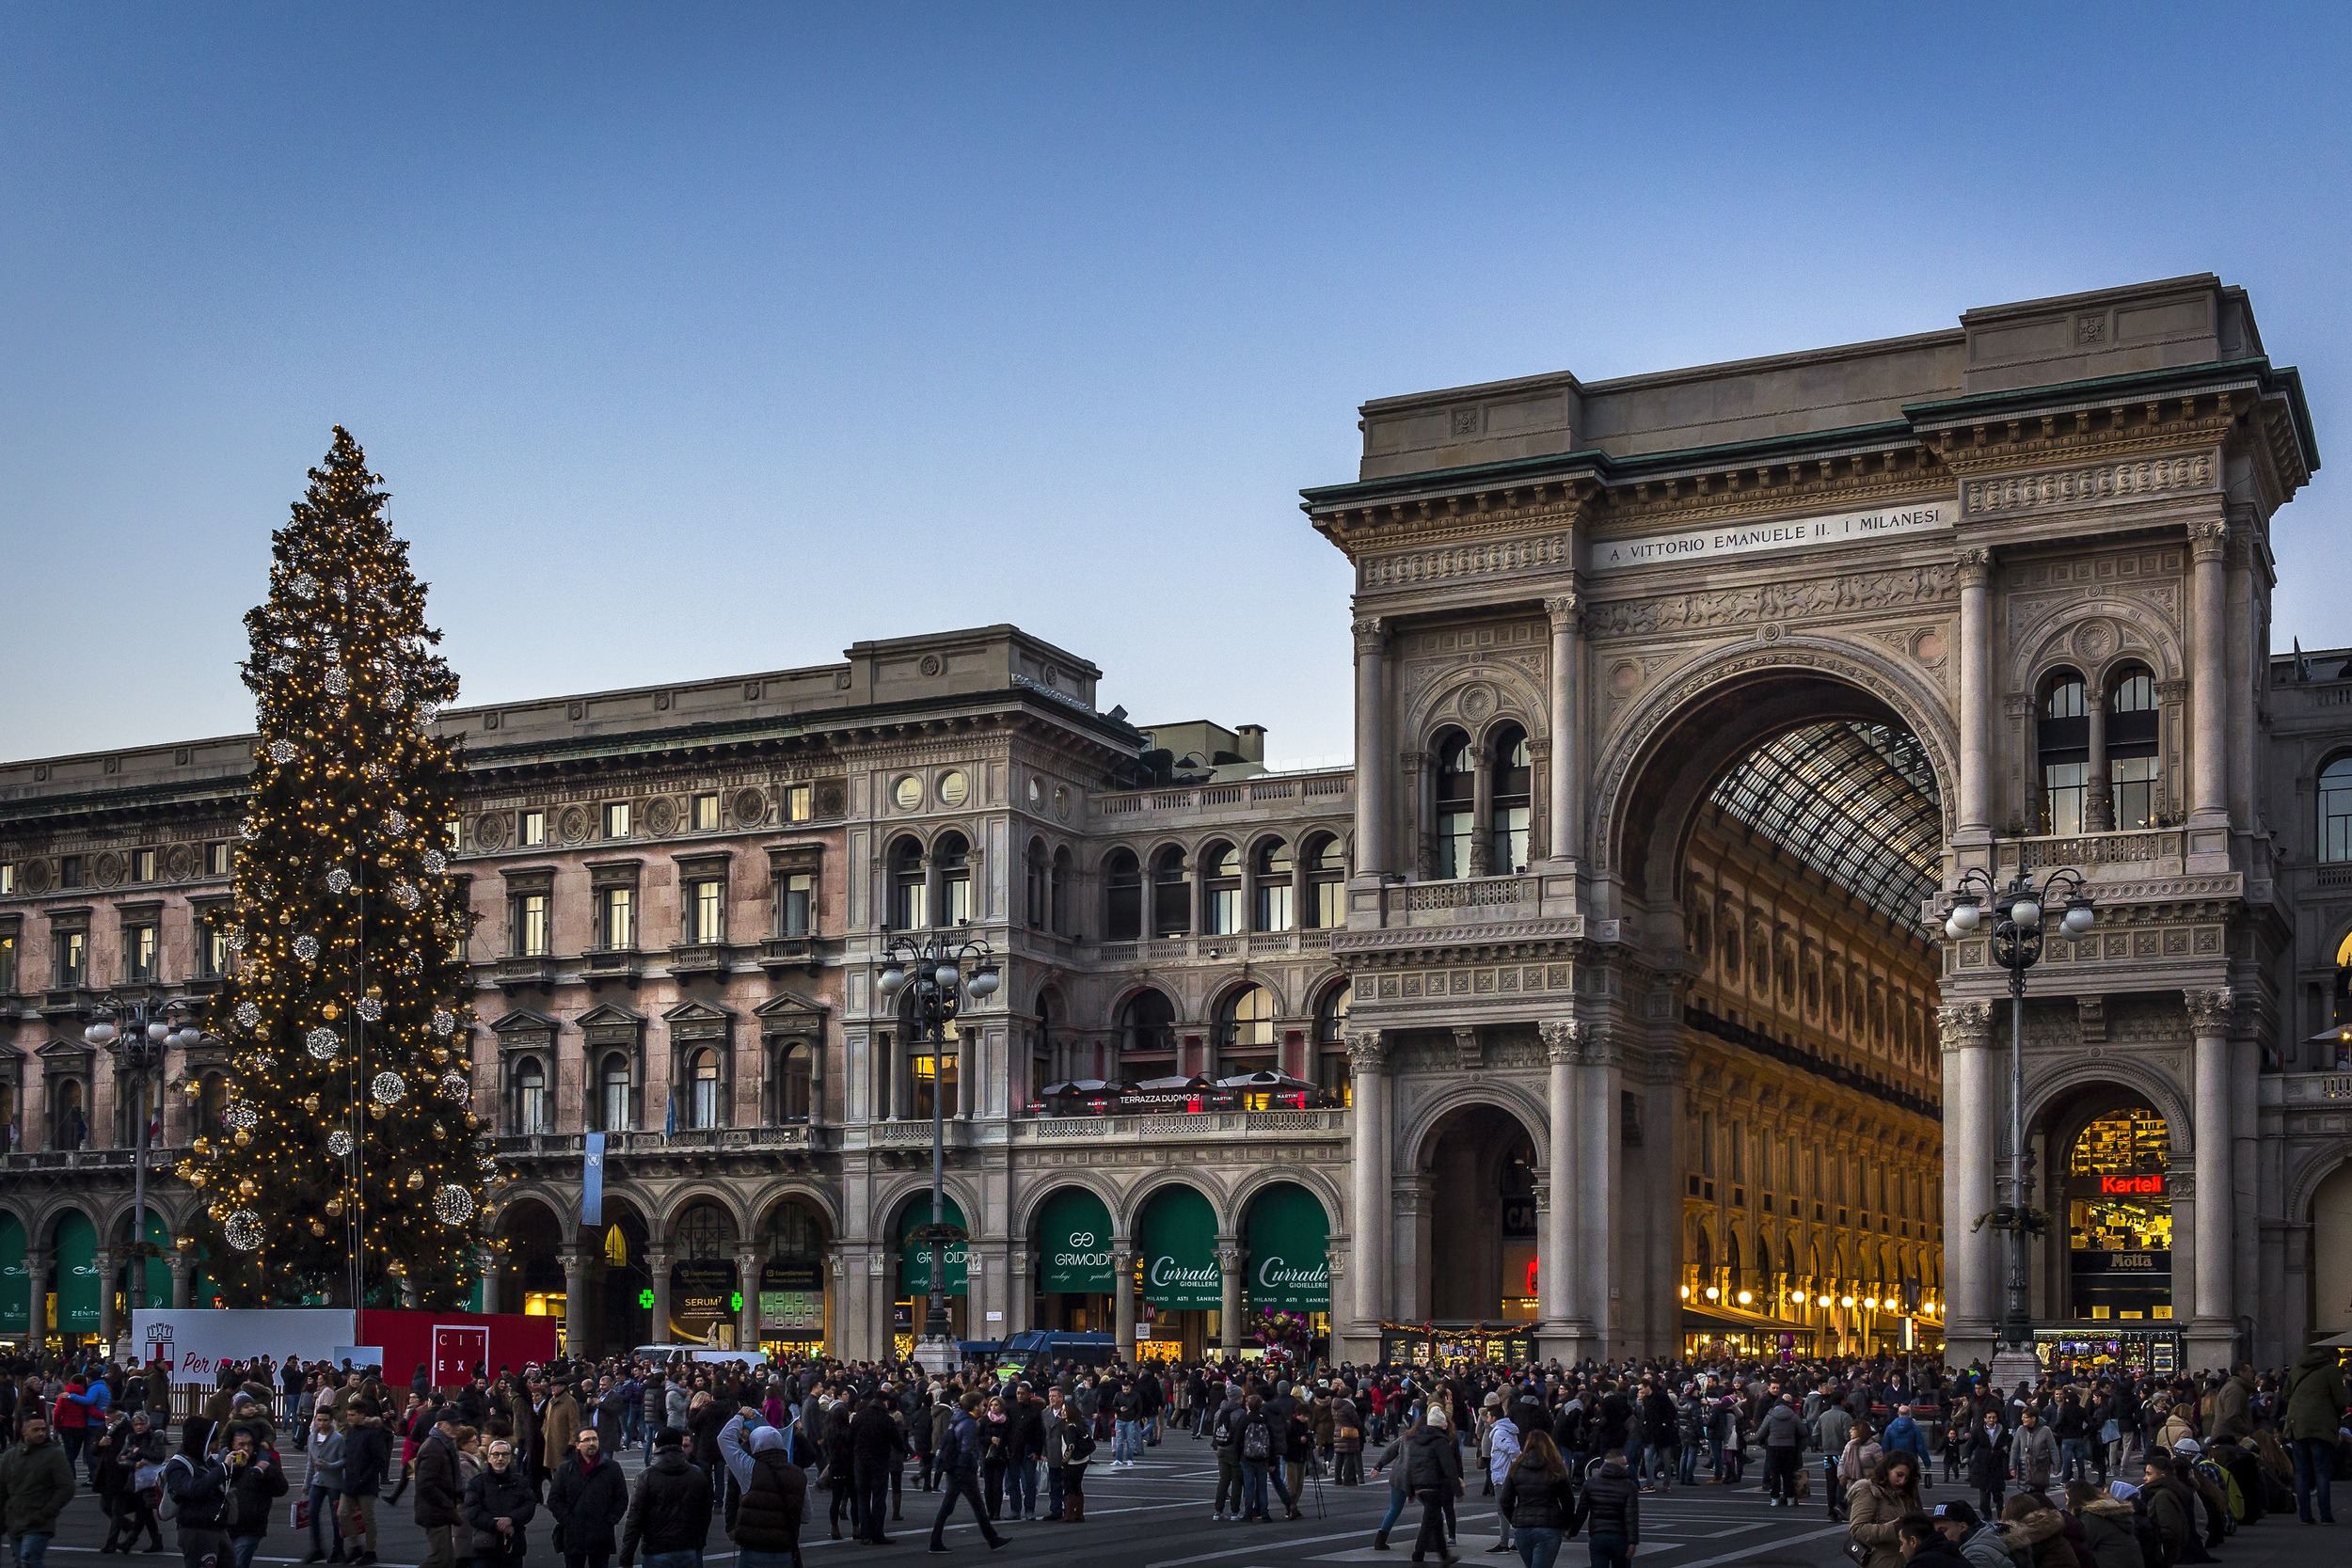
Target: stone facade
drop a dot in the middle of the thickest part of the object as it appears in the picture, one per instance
(1519, 921)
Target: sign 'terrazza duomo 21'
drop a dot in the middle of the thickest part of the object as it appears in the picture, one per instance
(1603, 1006)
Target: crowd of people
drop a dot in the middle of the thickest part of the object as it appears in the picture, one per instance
(2086, 1467)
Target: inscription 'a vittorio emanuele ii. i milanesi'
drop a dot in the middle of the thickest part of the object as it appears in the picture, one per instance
(1792, 533)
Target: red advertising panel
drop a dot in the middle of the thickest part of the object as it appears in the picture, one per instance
(453, 1344)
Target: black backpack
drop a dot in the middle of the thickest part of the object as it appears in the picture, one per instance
(1257, 1441)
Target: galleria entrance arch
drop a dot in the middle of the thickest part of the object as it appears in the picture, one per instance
(2024, 582)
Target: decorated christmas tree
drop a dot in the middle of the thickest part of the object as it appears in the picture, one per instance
(345, 1165)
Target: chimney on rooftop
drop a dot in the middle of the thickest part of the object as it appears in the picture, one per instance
(1250, 742)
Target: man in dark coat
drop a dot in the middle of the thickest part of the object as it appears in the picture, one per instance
(766, 1528)
(671, 1512)
(440, 1493)
(497, 1506)
(876, 1450)
(589, 1499)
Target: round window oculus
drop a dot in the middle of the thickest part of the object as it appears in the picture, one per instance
(1036, 793)
(908, 794)
(1062, 802)
(953, 788)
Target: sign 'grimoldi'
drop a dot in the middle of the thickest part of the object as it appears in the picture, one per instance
(1793, 533)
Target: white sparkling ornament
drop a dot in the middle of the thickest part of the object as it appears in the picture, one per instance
(377, 770)
(242, 1115)
(306, 949)
(339, 1144)
(388, 1088)
(405, 894)
(243, 1231)
(435, 862)
(264, 1062)
(396, 823)
(248, 1014)
(283, 752)
(339, 880)
(322, 1043)
(428, 712)
(248, 831)
(306, 586)
(452, 1205)
(280, 664)
(454, 1088)
(395, 695)
(236, 939)
(444, 1020)
(370, 1008)
(338, 683)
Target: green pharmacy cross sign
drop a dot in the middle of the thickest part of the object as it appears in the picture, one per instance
(644, 1299)
(735, 1302)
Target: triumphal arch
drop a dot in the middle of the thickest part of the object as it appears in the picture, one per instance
(1683, 701)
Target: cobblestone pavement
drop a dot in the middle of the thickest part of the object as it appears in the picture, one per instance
(1156, 1516)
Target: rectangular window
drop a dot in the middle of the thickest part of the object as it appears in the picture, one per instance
(1224, 910)
(1510, 838)
(454, 833)
(1454, 844)
(1274, 906)
(800, 900)
(799, 803)
(211, 953)
(2062, 786)
(532, 830)
(8, 879)
(138, 954)
(142, 865)
(616, 819)
(73, 957)
(956, 893)
(1331, 905)
(530, 925)
(2134, 783)
(69, 871)
(1738, 1152)
(706, 814)
(1707, 1143)
(616, 917)
(8, 964)
(706, 911)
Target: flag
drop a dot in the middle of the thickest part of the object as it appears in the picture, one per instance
(592, 1182)
(669, 1117)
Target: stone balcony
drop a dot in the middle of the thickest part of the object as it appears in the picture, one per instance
(1316, 793)
(1228, 949)
(1181, 1127)
(716, 1148)
(2129, 855)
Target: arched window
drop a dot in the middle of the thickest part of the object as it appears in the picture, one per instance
(2063, 736)
(73, 1122)
(1457, 798)
(703, 1090)
(1273, 873)
(1327, 883)
(1122, 898)
(910, 910)
(1171, 895)
(1059, 886)
(1331, 1067)
(1038, 909)
(1147, 1028)
(793, 1078)
(1220, 890)
(2131, 744)
(953, 856)
(1245, 1033)
(705, 1234)
(2335, 810)
(531, 1097)
(1514, 797)
(612, 1095)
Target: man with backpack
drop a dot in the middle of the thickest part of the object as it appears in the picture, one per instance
(198, 1498)
(1263, 1441)
(1224, 1441)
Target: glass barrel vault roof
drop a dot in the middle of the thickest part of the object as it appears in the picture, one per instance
(1856, 802)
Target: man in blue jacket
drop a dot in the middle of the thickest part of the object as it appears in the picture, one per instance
(959, 1462)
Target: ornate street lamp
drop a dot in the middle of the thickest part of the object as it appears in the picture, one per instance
(934, 967)
(2019, 912)
(138, 1032)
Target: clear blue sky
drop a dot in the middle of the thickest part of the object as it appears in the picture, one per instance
(695, 340)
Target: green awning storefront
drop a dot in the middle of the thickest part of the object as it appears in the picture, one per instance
(914, 1257)
(16, 1281)
(1075, 1244)
(77, 1276)
(1289, 1238)
(1178, 1252)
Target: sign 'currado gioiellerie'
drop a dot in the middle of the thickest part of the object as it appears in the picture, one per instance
(1290, 1265)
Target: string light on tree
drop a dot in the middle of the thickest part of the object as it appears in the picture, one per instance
(343, 921)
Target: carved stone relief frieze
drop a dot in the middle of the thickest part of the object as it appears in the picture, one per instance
(1800, 599)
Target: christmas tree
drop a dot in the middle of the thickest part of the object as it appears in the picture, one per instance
(345, 1164)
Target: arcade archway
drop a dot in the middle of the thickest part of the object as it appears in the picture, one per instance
(1478, 1169)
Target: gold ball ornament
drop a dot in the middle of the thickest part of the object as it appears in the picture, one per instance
(245, 1187)
(318, 1228)
(416, 1181)
(311, 1103)
(334, 1205)
(243, 1137)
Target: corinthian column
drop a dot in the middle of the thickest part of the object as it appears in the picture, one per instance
(1567, 753)
(1372, 746)
(2209, 1019)
(1564, 1047)
(1368, 1151)
(1123, 1298)
(1229, 1265)
(1975, 695)
(2208, 694)
(1970, 1112)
